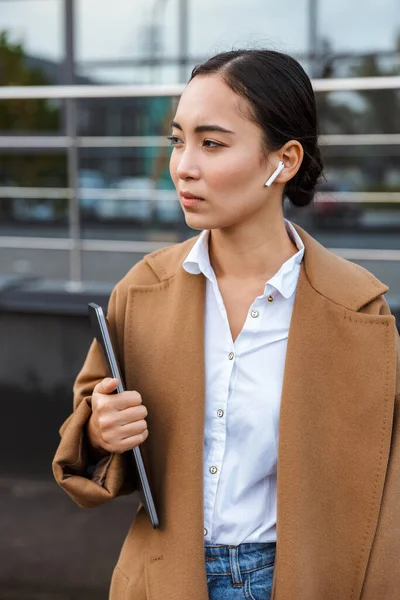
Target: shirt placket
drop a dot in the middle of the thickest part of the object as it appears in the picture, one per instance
(219, 410)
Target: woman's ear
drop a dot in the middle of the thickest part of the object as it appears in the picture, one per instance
(291, 154)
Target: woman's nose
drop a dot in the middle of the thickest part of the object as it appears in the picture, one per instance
(187, 167)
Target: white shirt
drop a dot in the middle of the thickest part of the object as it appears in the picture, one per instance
(243, 392)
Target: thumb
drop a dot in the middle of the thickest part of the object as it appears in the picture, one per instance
(107, 385)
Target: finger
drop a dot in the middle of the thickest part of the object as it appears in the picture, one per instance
(107, 385)
(127, 400)
(130, 415)
(132, 429)
(132, 442)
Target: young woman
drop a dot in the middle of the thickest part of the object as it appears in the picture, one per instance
(261, 369)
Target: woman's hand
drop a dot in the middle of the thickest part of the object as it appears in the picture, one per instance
(117, 423)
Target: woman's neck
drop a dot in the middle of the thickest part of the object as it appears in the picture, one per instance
(253, 253)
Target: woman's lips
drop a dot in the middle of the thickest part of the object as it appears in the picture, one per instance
(189, 200)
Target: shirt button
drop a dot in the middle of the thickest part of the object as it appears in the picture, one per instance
(254, 314)
(220, 413)
(213, 470)
(205, 531)
(231, 356)
(270, 299)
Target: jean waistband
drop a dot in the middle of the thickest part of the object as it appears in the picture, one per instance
(244, 557)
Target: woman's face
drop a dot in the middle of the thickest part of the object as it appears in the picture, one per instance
(217, 157)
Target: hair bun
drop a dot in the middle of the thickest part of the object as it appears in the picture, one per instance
(301, 189)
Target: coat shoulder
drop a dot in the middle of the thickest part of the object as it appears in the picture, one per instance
(340, 280)
(166, 261)
(155, 267)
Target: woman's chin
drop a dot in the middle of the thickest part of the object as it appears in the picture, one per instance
(196, 221)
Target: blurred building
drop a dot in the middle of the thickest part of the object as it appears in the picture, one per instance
(119, 170)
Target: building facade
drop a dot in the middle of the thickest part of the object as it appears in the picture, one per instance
(118, 169)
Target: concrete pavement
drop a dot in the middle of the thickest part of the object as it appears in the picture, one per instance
(50, 549)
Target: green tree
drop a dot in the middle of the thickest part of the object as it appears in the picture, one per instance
(23, 115)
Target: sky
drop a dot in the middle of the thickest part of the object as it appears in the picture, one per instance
(110, 30)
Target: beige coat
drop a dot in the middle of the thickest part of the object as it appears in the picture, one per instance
(338, 523)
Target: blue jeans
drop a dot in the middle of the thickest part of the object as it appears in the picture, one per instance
(241, 572)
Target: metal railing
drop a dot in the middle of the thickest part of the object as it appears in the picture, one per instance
(75, 245)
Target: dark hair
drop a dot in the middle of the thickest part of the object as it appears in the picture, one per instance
(282, 103)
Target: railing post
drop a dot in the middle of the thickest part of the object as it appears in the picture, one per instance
(75, 262)
(183, 8)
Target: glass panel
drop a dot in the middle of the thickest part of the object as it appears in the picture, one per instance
(30, 54)
(359, 112)
(144, 40)
(360, 195)
(23, 214)
(357, 38)
(33, 168)
(31, 42)
(358, 26)
(129, 41)
(145, 44)
(125, 116)
(127, 193)
(39, 116)
(231, 24)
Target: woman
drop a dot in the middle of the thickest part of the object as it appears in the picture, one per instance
(202, 333)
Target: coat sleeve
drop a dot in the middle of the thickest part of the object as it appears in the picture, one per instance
(89, 481)
(382, 578)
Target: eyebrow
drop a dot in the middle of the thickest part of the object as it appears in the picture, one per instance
(203, 128)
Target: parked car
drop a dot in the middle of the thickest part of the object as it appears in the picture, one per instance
(132, 200)
(142, 199)
(330, 211)
(90, 179)
(33, 210)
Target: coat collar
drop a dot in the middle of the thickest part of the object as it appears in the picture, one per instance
(284, 280)
(335, 278)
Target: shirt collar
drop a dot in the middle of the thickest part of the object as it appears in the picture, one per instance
(284, 280)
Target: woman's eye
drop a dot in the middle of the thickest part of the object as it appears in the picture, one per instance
(173, 140)
(211, 144)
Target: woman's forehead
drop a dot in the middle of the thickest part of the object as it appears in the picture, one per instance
(208, 100)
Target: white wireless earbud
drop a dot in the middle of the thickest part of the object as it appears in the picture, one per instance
(275, 174)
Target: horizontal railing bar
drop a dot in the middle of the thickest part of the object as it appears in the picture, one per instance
(48, 141)
(367, 254)
(350, 84)
(89, 194)
(38, 243)
(358, 197)
(35, 193)
(35, 141)
(134, 141)
(175, 90)
(171, 196)
(149, 141)
(41, 243)
(360, 139)
(89, 91)
(35, 243)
